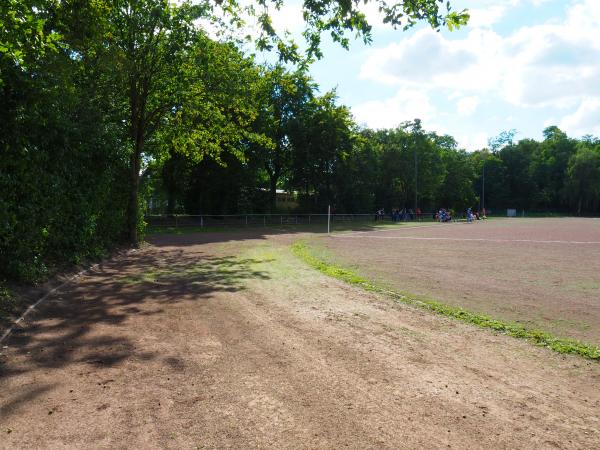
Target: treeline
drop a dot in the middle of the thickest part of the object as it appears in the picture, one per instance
(558, 173)
(324, 159)
(108, 105)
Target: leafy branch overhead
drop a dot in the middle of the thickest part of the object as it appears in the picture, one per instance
(346, 19)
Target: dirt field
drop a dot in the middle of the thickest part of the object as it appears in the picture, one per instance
(544, 273)
(228, 341)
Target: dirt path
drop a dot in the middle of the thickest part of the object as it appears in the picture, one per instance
(236, 344)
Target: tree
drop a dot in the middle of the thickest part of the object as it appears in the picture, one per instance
(321, 138)
(395, 174)
(583, 182)
(150, 39)
(549, 166)
(63, 164)
(358, 174)
(284, 96)
(149, 43)
(342, 18)
(127, 82)
(456, 190)
(518, 159)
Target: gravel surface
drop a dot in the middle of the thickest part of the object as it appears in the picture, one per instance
(544, 273)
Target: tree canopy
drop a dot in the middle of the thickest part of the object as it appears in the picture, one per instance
(112, 106)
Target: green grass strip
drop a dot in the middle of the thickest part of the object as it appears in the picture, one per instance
(537, 337)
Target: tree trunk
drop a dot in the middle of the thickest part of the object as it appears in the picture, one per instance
(137, 101)
(170, 202)
(133, 207)
(134, 186)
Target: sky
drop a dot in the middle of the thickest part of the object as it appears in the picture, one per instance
(519, 64)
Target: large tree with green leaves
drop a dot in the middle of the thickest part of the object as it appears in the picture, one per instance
(322, 137)
(148, 45)
(583, 178)
(284, 96)
(150, 41)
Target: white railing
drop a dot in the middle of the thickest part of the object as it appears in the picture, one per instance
(243, 220)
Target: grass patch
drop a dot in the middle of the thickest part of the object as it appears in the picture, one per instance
(537, 337)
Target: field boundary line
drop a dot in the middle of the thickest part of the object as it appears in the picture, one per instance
(423, 238)
(537, 337)
(400, 228)
(48, 294)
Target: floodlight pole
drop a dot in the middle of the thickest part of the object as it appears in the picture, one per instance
(416, 181)
(483, 190)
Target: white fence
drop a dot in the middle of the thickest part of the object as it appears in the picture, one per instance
(243, 220)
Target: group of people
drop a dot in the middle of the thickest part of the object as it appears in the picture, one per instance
(446, 215)
(398, 215)
(405, 214)
(474, 215)
(443, 215)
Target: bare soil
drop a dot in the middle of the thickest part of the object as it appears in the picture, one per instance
(544, 273)
(228, 341)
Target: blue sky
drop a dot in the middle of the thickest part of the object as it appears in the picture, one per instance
(519, 64)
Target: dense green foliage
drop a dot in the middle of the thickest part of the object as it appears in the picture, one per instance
(96, 96)
(556, 174)
(325, 159)
(63, 163)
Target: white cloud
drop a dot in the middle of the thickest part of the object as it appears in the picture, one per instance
(486, 17)
(430, 60)
(466, 106)
(288, 18)
(585, 120)
(407, 104)
(550, 65)
(475, 141)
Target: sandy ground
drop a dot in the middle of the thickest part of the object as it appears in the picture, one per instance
(544, 273)
(213, 341)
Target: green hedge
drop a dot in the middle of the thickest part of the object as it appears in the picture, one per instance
(63, 169)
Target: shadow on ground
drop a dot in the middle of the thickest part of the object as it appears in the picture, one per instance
(185, 236)
(86, 323)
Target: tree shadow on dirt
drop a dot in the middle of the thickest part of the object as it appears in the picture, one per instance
(186, 236)
(70, 328)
